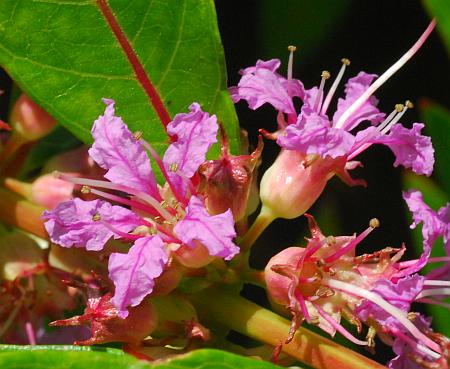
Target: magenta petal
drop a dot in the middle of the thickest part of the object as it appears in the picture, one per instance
(134, 273)
(313, 134)
(400, 294)
(354, 88)
(85, 223)
(116, 150)
(196, 131)
(261, 84)
(215, 232)
(411, 149)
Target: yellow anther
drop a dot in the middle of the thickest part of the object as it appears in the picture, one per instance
(409, 104)
(324, 291)
(412, 316)
(372, 332)
(399, 107)
(56, 174)
(152, 231)
(345, 61)
(292, 48)
(96, 217)
(85, 190)
(164, 204)
(325, 74)
(374, 223)
(314, 319)
(173, 167)
(137, 135)
(331, 240)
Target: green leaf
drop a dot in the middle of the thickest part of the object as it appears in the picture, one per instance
(76, 357)
(437, 121)
(440, 9)
(64, 54)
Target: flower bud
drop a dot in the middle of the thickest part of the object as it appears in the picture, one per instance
(29, 120)
(294, 182)
(196, 257)
(48, 191)
(226, 182)
(169, 279)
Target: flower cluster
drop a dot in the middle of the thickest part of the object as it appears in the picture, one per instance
(161, 222)
(325, 281)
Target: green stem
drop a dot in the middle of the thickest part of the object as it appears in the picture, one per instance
(265, 326)
(264, 218)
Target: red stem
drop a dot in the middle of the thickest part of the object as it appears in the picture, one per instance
(138, 68)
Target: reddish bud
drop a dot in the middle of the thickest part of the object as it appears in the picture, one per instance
(29, 120)
(226, 182)
(48, 191)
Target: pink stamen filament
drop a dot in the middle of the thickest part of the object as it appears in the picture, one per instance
(299, 298)
(112, 186)
(118, 232)
(382, 303)
(334, 87)
(162, 167)
(339, 327)
(434, 292)
(319, 95)
(434, 302)
(383, 128)
(121, 200)
(385, 76)
(416, 345)
(312, 250)
(350, 246)
(30, 333)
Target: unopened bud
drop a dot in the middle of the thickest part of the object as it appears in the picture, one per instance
(29, 120)
(292, 184)
(49, 191)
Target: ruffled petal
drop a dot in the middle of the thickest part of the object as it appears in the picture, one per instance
(432, 227)
(400, 294)
(134, 273)
(354, 88)
(116, 150)
(312, 134)
(196, 131)
(261, 84)
(81, 223)
(215, 232)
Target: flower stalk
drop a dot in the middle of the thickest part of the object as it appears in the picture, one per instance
(265, 326)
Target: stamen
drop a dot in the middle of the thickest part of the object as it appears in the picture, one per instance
(338, 327)
(374, 223)
(325, 75)
(433, 282)
(416, 345)
(137, 135)
(162, 167)
(439, 259)
(96, 217)
(86, 190)
(382, 303)
(434, 302)
(30, 333)
(434, 292)
(334, 86)
(400, 114)
(291, 50)
(112, 186)
(385, 76)
(121, 200)
(129, 236)
(299, 298)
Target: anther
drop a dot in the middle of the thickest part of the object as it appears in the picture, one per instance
(331, 240)
(324, 292)
(314, 319)
(96, 217)
(292, 48)
(409, 104)
(412, 316)
(85, 190)
(137, 135)
(399, 107)
(345, 61)
(152, 231)
(325, 74)
(371, 336)
(173, 167)
(164, 204)
(374, 223)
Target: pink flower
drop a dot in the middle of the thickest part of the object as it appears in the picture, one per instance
(157, 220)
(310, 138)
